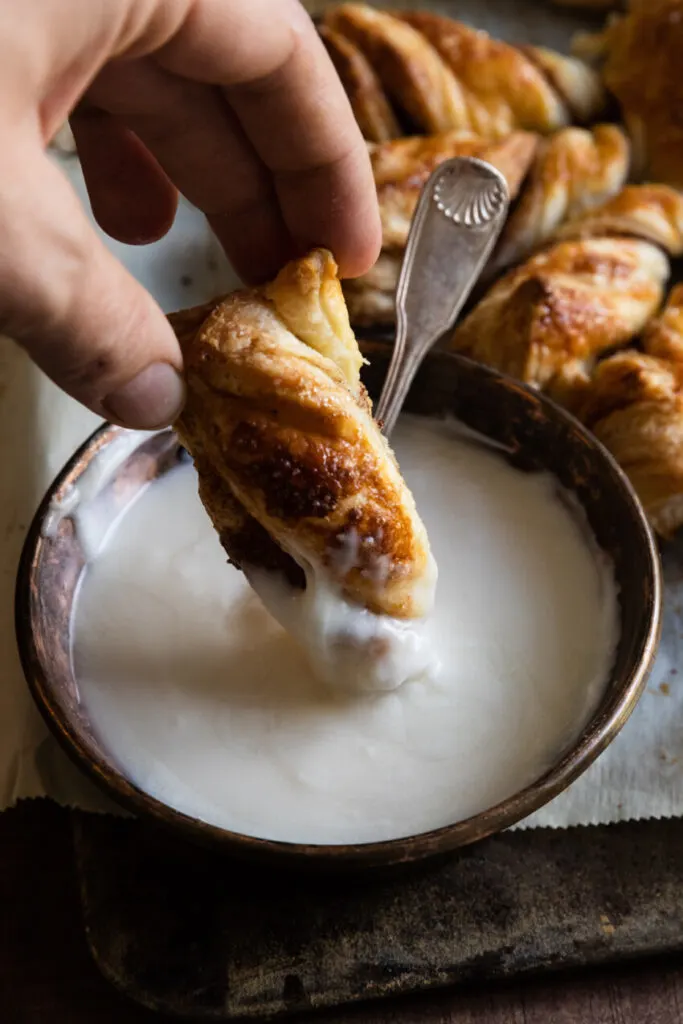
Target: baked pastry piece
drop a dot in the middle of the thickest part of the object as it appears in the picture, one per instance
(370, 105)
(401, 168)
(651, 212)
(514, 87)
(292, 468)
(574, 170)
(642, 68)
(552, 316)
(634, 404)
(440, 74)
(415, 79)
(573, 79)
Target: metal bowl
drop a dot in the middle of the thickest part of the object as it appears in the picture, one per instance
(537, 435)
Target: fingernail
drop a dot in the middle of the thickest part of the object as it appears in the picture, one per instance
(149, 401)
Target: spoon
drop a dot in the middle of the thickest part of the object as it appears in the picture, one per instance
(459, 216)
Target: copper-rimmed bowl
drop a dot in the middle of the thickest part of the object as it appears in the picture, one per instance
(537, 436)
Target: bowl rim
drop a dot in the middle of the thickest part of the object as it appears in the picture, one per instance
(597, 734)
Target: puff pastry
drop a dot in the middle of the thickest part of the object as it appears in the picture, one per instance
(642, 68)
(371, 108)
(552, 316)
(634, 405)
(440, 74)
(292, 469)
(517, 86)
(400, 168)
(651, 212)
(574, 170)
(575, 81)
(414, 77)
(502, 87)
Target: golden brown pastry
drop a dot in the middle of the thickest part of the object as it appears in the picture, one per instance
(370, 105)
(413, 75)
(642, 51)
(514, 87)
(440, 74)
(634, 405)
(401, 168)
(557, 312)
(502, 88)
(663, 336)
(573, 79)
(293, 470)
(574, 170)
(651, 212)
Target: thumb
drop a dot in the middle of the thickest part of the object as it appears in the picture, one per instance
(75, 309)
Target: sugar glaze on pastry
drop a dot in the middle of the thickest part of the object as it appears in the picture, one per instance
(302, 487)
(212, 707)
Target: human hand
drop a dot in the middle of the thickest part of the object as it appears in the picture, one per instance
(232, 102)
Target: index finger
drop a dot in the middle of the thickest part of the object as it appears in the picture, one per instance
(282, 86)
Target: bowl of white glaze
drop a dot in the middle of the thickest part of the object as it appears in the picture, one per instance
(529, 433)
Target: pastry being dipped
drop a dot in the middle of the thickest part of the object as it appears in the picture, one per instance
(300, 484)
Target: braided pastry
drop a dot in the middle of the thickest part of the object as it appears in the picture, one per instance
(292, 468)
(369, 103)
(301, 486)
(651, 212)
(401, 168)
(441, 74)
(415, 79)
(634, 404)
(552, 316)
(574, 170)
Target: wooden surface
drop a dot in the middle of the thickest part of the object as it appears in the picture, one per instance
(187, 930)
(46, 976)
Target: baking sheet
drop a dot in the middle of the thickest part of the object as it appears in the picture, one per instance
(639, 776)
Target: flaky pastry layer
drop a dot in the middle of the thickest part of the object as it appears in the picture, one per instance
(293, 470)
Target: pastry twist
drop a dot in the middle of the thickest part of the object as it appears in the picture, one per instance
(293, 471)
(401, 168)
(550, 318)
(439, 74)
(650, 212)
(574, 170)
(369, 103)
(633, 403)
(571, 172)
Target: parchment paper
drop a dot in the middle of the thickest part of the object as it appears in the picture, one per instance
(639, 776)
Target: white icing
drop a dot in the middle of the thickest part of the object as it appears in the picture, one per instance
(348, 647)
(210, 706)
(76, 502)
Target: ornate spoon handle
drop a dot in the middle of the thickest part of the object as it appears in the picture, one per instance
(458, 218)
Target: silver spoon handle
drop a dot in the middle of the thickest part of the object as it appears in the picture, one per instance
(459, 215)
